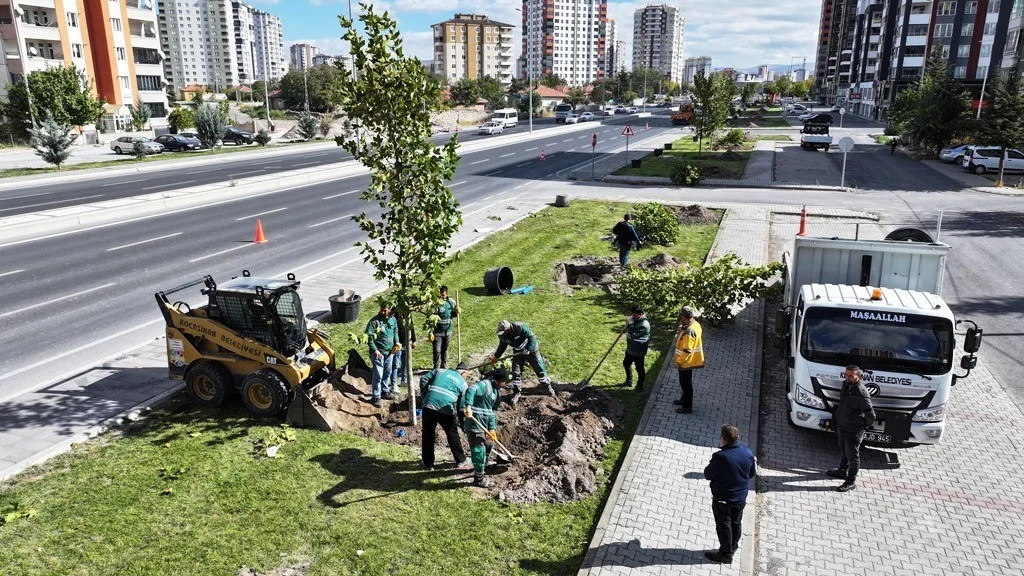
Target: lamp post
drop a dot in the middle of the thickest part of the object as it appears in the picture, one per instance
(18, 13)
(529, 67)
(305, 84)
(984, 81)
(266, 83)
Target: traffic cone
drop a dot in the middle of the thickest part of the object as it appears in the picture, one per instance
(541, 155)
(260, 238)
(647, 125)
(803, 222)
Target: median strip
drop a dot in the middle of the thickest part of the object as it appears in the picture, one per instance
(144, 242)
(55, 300)
(50, 203)
(260, 214)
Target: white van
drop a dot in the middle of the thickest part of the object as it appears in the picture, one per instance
(507, 116)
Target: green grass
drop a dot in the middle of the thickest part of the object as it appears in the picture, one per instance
(165, 157)
(768, 122)
(685, 149)
(882, 139)
(103, 508)
(774, 137)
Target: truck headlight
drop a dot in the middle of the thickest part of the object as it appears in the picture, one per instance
(805, 398)
(933, 414)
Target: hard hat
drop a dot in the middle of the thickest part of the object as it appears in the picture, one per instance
(504, 326)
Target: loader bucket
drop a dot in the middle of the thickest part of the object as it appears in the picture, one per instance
(303, 413)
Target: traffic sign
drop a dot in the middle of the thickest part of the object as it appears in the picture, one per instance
(593, 140)
(627, 131)
(842, 111)
(845, 144)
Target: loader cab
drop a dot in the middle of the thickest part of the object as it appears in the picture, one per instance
(264, 309)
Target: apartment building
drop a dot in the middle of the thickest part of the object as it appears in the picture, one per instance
(837, 70)
(329, 60)
(612, 56)
(473, 46)
(245, 45)
(113, 41)
(301, 55)
(268, 36)
(567, 38)
(691, 66)
(658, 40)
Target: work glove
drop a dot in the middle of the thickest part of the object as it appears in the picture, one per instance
(396, 348)
(431, 337)
(493, 435)
(492, 359)
(468, 411)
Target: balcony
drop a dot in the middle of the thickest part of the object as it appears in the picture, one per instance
(913, 61)
(919, 19)
(138, 10)
(27, 5)
(917, 40)
(141, 29)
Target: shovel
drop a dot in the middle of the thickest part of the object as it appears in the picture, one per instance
(507, 456)
(479, 366)
(586, 381)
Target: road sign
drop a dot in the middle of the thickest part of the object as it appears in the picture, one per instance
(593, 140)
(845, 144)
(842, 111)
(627, 131)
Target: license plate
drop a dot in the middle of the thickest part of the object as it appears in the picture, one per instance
(880, 438)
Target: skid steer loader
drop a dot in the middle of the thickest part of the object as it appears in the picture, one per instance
(251, 335)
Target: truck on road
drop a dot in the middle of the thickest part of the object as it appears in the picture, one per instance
(815, 135)
(875, 304)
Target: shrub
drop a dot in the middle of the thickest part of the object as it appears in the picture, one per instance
(52, 141)
(181, 118)
(891, 131)
(325, 125)
(685, 174)
(655, 224)
(139, 150)
(732, 138)
(209, 125)
(262, 137)
(307, 125)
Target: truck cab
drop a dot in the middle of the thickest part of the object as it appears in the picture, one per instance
(814, 135)
(562, 111)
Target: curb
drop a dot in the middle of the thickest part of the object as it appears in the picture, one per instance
(717, 183)
(748, 546)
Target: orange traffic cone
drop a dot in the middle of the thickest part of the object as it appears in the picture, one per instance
(647, 125)
(541, 155)
(803, 222)
(260, 238)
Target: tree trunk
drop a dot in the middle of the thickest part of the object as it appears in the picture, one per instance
(1002, 165)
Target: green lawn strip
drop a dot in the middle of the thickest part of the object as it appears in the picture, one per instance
(102, 509)
(766, 122)
(774, 137)
(882, 139)
(165, 157)
(685, 150)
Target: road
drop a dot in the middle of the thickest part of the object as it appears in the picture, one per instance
(72, 299)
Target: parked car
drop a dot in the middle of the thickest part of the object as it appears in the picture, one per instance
(238, 137)
(189, 135)
(492, 127)
(954, 155)
(126, 144)
(981, 159)
(836, 108)
(586, 117)
(572, 119)
(178, 142)
(796, 110)
(817, 118)
(632, 110)
(620, 110)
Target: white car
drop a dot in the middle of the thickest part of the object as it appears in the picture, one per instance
(572, 119)
(981, 159)
(632, 110)
(797, 109)
(126, 144)
(586, 117)
(955, 154)
(807, 116)
(491, 127)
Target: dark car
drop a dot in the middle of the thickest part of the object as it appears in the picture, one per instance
(239, 137)
(178, 142)
(821, 118)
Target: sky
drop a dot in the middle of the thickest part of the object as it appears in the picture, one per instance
(734, 33)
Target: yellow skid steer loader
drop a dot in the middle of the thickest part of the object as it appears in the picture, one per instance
(251, 335)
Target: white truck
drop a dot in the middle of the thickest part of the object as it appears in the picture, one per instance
(874, 304)
(815, 135)
(562, 111)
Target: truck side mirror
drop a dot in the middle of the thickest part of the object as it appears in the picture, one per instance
(969, 362)
(782, 321)
(972, 341)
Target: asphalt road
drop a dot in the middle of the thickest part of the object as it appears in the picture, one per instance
(72, 299)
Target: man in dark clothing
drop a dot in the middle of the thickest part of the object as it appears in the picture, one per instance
(893, 143)
(854, 414)
(445, 310)
(638, 335)
(442, 392)
(625, 237)
(729, 472)
(525, 350)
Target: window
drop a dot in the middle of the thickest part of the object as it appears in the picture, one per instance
(76, 50)
(981, 72)
(149, 82)
(986, 50)
(919, 30)
(990, 29)
(960, 72)
(116, 24)
(943, 30)
(120, 53)
(72, 19)
(971, 7)
(947, 8)
(125, 84)
(993, 7)
(966, 30)
(963, 51)
(944, 52)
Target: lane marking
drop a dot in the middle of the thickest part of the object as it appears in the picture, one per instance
(144, 241)
(480, 161)
(126, 182)
(306, 163)
(530, 149)
(174, 185)
(568, 140)
(246, 245)
(261, 214)
(25, 196)
(317, 261)
(55, 300)
(331, 220)
(551, 143)
(201, 171)
(340, 195)
(320, 154)
(507, 155)
(12, 272)
(518, 187)
(488, 198)
(493, 173)
(524, 164)
(50, 202)
(489, 206)
(457, 183)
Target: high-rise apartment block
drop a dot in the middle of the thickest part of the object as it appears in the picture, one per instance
(114, 42)
(473, 46)
(612, 58)
(268, 37)
(691, 66)
(658, 40)
(301, 55)
(567, 38)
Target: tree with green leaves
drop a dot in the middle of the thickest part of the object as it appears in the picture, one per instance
(493, 91)
(307, 125)
(747, 93)
(61, 91)
(800, 90)
(407, 245)
(711, 95)
(1002, 121)
(325, 125)
(576, 96)
(935, 110)
(465, 92)
(210, 125)
(52, 141)
(522, 103)
(322, 81)
(518, 85)
(262, 137)
(141, 114)
(181, 118)
(551, 80)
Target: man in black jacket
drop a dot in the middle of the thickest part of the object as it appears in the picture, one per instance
(854, 414)
(625, 238)
(729, 471)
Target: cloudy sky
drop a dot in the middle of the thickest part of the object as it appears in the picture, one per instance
(735, 33)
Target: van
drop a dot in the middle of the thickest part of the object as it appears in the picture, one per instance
(562, 111)
(509, 117)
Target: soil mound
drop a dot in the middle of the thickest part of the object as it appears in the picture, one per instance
(694, 214)
(342, 398)
(660, 260)
(730, 155)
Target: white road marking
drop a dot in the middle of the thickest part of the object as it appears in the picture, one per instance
(55, 300)
(480, 161)
(201, 171)
(507, 155)
(551, 143)
(342, 194)
(567, 140)
(239, 247)
(11, 273)
(25, 196)
(518, 187)
(489, 206)
(457, 183)
(488, 198)
(523, 164)
(144, 241)
(50, 203)
(493, 173)
(126, 182)
(173, 184)
(331, 220)
(320, 154)
(261, 214)
(317, 261)
(530, 149)
(306, 163)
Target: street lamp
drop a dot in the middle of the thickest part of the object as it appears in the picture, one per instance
(529, 67)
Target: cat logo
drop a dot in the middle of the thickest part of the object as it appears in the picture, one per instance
(270, 360)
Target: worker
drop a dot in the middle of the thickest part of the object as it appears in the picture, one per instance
(442, 392)
(481, 402)
(524, 349)
(400, 363)
(689, 357)
(445, 310)
(638, 337)
(382, 334)
(625, 238)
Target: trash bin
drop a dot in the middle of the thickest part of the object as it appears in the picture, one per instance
(345, 306)
(635, 163)
(498, 280)
(561, 201)
(658, 151)
(668, 146)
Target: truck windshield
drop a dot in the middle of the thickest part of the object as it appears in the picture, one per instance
(877, 340)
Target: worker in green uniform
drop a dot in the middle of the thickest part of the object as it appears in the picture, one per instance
(481, 402)
(524, 349)
(638, 336)
(382, 339)
(445, 310)
(442, 392)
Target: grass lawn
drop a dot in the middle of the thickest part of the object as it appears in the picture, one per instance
(767, 122)
(183, 493)
(685, 149)
(165, 157)
(774, 137)
(882, 139)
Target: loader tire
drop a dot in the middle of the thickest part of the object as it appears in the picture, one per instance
(208, 384)
(265, 392)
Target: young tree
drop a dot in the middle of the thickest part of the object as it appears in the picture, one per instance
(465, 92)
(209, 125)
(325, 125)
(1002, 122)
(141, 114)
(322, 82)
(407, 244)
(577, 96)
(551, 80)
(52, 141)
(181, 118)
(800, 90)
(711, 95)
(523, 103)
(519, 85)
(63, 92)
(935, 110)
(490, 89)
(747, 93)
(307, 125)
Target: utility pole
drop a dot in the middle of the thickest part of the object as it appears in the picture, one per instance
(266, 82)
(305, 84)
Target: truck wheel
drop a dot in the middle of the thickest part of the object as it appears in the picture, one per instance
(208, 384)
(265, 392)
(909, 235)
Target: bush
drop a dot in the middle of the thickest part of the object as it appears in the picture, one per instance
(210, 125)
(655, 224)
(685, 174)
(307, 125)
(52, 141)
(714, 289)
(891, 131)
(181, 118)
(262, 137)
(732, 138)
(139, 150)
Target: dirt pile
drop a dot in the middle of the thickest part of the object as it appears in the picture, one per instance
(730, 155)
(660, 260)
(342, 398)
(694, 214)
